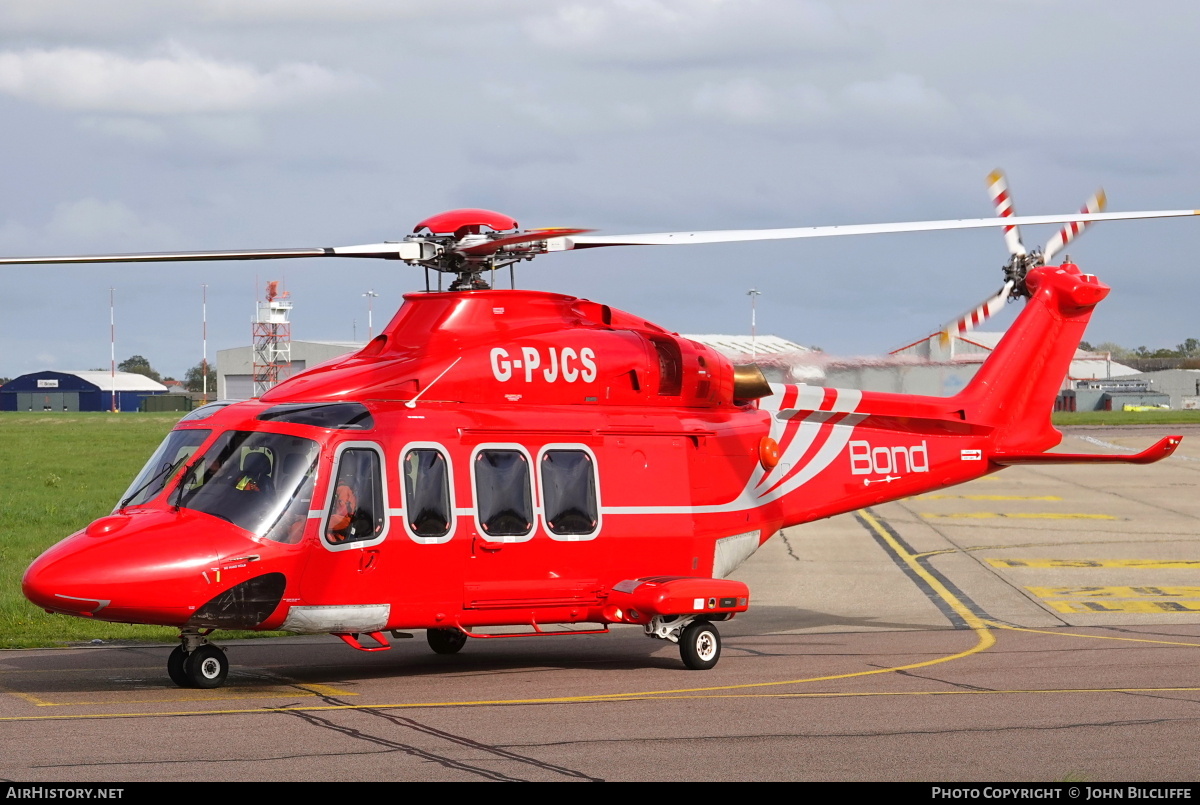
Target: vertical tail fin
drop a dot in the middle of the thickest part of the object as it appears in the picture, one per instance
(1015, 389)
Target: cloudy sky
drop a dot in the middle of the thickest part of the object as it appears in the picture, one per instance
(215, 124)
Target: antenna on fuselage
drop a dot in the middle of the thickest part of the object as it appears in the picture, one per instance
(413, 402)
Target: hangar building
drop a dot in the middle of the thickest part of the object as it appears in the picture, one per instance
(235, 367)
(77, 391)
(1181, 385)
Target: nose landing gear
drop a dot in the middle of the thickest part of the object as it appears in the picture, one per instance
(699, 641)
(196, 663)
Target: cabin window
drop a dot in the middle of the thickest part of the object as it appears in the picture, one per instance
(569, 492)
(503, 495)
(356, 510)
(261, 482)
(427, 507)
(170, 456)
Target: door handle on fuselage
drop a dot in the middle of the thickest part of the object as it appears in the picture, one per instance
(478, 544)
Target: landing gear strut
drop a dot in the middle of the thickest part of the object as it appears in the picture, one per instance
(196, 663)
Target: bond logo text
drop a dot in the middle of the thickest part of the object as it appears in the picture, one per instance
(868, 460)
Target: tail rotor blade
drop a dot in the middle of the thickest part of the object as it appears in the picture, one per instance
(998, 190)
(976, 315)
(1072, 230)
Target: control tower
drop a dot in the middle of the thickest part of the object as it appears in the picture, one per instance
(272, 339)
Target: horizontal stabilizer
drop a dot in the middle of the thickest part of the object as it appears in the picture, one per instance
(1156, 452)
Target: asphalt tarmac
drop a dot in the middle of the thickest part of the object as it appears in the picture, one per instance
(1042, 624)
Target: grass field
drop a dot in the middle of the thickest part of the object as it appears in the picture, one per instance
(1120, 418)
(58, 472)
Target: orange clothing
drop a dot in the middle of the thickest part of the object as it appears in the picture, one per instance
(345, 503)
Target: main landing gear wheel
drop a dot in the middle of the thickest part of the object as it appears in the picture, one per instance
(700, 645)
(206, 667)
(446, 641)
(175, 667)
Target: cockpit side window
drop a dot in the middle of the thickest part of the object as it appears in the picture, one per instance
(298, 472)
(356, 511)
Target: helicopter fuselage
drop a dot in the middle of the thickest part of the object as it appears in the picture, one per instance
(523, 458)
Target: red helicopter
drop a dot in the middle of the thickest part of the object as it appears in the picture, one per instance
(500, 458)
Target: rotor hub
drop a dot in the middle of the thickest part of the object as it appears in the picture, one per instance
(1015, 270)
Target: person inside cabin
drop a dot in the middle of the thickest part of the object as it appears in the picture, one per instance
(356, 511)
(255, 475)
(342, 512)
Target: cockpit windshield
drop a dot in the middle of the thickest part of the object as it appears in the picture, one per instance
(172, 454)
(262, 482)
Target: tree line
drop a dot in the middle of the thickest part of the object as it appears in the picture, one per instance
(193, 379)
(1188, 349)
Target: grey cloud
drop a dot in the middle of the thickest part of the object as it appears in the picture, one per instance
(618, 115)
(175, 81)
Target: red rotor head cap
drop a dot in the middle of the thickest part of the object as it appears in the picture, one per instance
(465, 222)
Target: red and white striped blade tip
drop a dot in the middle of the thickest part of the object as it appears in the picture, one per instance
(976, 315)
(1073, 229)
(1002, 200)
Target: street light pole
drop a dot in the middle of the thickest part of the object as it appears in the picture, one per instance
(753, 294)
(204, 340)
(112, 344)
(371, 296)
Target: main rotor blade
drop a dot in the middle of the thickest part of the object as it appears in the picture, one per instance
(558, 240)
(403, 250)
(739, 235)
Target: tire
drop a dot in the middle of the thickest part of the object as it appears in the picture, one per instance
(206, 667)
(175, 667)
(446, 641)
(700, 646)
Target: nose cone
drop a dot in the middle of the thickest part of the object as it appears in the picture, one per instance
(153, 568)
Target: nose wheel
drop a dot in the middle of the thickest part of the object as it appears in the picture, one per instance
(196, 663)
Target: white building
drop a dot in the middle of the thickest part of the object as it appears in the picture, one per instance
(782, 361)
(974, 347)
